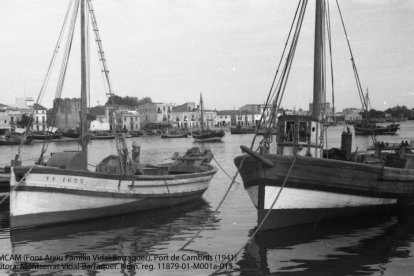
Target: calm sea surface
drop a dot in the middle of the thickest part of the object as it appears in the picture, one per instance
(374, 246)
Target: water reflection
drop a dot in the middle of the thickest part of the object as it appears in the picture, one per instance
(139, 234)
(353, 247)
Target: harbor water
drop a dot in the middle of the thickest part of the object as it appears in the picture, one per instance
(150, 243)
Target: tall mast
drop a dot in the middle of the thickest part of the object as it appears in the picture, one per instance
(202, 112)
(318, 66)
(84, 80)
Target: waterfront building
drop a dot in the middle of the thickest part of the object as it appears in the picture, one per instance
(224, 118)
(4, 119)
(15, 116)
(154, 114)
(130, 120)
(40, 118)
(352, 114)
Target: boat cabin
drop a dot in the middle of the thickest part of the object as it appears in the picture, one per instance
(299, 134)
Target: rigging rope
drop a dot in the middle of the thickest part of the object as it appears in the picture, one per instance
(224, 171)
(218, 206)
(328, 25)
(269, 97)
(122, 149)
(263, 220)
(359, 86)
(45, 80)
(61, 81)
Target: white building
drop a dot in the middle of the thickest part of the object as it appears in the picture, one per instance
(130, 121)
(40, 118)
(154, 113)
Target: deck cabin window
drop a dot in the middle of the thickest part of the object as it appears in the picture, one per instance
(290, 131)
(303, 131)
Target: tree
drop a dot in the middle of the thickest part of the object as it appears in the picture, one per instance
(127, 101)
(144, 101)
(25, 121)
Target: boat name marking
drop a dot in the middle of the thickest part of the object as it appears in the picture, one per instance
(66, 179)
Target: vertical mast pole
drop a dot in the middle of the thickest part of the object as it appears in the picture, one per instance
(318, 66)
(202, 112)
(84, 81)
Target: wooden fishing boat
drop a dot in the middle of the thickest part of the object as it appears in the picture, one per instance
(303, 183)
(15, 140)
(70, 133)
(191, 161)
(45, 135)
(363, 128)
(208, 135)
(10, 138)
(62, 189)
(205, 134)
(101, 136)
(251, 129)
(175, 134)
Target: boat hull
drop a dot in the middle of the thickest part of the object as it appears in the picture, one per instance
(52, 196)
(322, 189)
(208, 139)
(379, 130)
(168, 136)
(208, 136)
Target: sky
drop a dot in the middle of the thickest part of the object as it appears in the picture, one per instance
(173, 50)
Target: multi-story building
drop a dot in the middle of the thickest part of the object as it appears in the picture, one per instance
(39, 118)
(130, 121)
(352, 114)
(154, 114)
(223, 118)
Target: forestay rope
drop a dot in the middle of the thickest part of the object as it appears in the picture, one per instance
(45, 80)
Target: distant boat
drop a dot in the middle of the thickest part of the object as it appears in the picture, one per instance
(101, 135)
(9, 138)
(175, 134)
(15, 140)
(64, 190)
(242, 130)
(206, 134)
(370, 128)
(70, 133)
(251, 129)
(49, 134)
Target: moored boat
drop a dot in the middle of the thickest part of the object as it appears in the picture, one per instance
(103, 135)
(303, 182)
(364, 128)
(175, 134)
(205, 134)
(9, 138)
(63, 189)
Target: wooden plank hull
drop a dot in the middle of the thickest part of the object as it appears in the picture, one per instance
(208, 136)
(322, 189)
(379, 130)
(51, 196)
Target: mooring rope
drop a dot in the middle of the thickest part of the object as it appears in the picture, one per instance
(218, 206)
(224, 171)
(261, 223)
(17, 184)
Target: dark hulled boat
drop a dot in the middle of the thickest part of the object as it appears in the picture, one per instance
(303, 183)
(175, 134)
(365, 128)
(205, 134)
